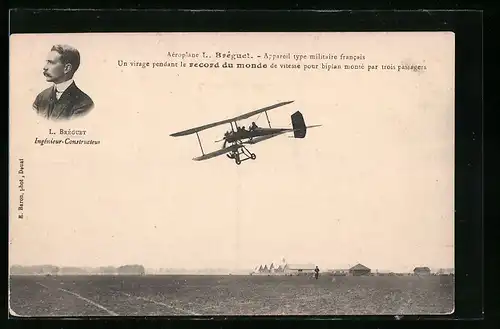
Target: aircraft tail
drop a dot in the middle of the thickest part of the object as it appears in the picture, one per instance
(299, 126)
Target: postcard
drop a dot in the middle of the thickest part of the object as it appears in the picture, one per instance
(205, 174)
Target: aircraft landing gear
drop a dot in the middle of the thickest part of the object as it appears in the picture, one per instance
(242, 150)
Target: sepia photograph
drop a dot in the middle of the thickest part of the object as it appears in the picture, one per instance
(63, 100)
(232, 174)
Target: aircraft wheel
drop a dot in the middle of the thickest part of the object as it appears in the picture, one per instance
(253, 156)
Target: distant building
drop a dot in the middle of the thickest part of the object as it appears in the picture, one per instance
(131, 270)
(298, 269)
(263, 270)
(359, 269)
(446, 271)
(422, 270)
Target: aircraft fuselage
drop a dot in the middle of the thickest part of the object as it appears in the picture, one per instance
(249, 134)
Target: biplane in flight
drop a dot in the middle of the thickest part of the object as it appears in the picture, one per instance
(239, 136)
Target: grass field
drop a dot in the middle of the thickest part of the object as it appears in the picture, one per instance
(229, 295)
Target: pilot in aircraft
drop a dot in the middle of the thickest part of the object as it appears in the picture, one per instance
(253, 126)
(241, 129)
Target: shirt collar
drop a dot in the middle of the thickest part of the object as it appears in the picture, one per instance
(61, 87)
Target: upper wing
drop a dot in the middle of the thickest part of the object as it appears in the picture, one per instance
(217, 153)
(240, 117)
(249, 114)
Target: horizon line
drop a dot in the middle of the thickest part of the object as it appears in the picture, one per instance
(204, 268)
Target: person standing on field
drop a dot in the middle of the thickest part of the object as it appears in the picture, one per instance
(316, 272)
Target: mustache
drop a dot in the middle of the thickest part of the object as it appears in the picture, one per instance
(47, 75)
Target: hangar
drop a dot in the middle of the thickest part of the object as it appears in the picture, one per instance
(359, 269)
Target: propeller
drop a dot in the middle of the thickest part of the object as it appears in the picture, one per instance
(222, 140)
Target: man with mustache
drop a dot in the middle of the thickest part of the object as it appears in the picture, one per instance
(63, 100)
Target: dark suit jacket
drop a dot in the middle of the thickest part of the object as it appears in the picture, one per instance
(72, 103)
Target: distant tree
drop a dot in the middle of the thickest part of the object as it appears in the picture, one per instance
(108, 270)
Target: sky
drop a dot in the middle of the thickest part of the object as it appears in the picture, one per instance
(372, 185)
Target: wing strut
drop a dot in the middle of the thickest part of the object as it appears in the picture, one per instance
(269, 122)
(202, 152)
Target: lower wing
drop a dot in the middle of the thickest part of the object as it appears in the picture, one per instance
(217, 153)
